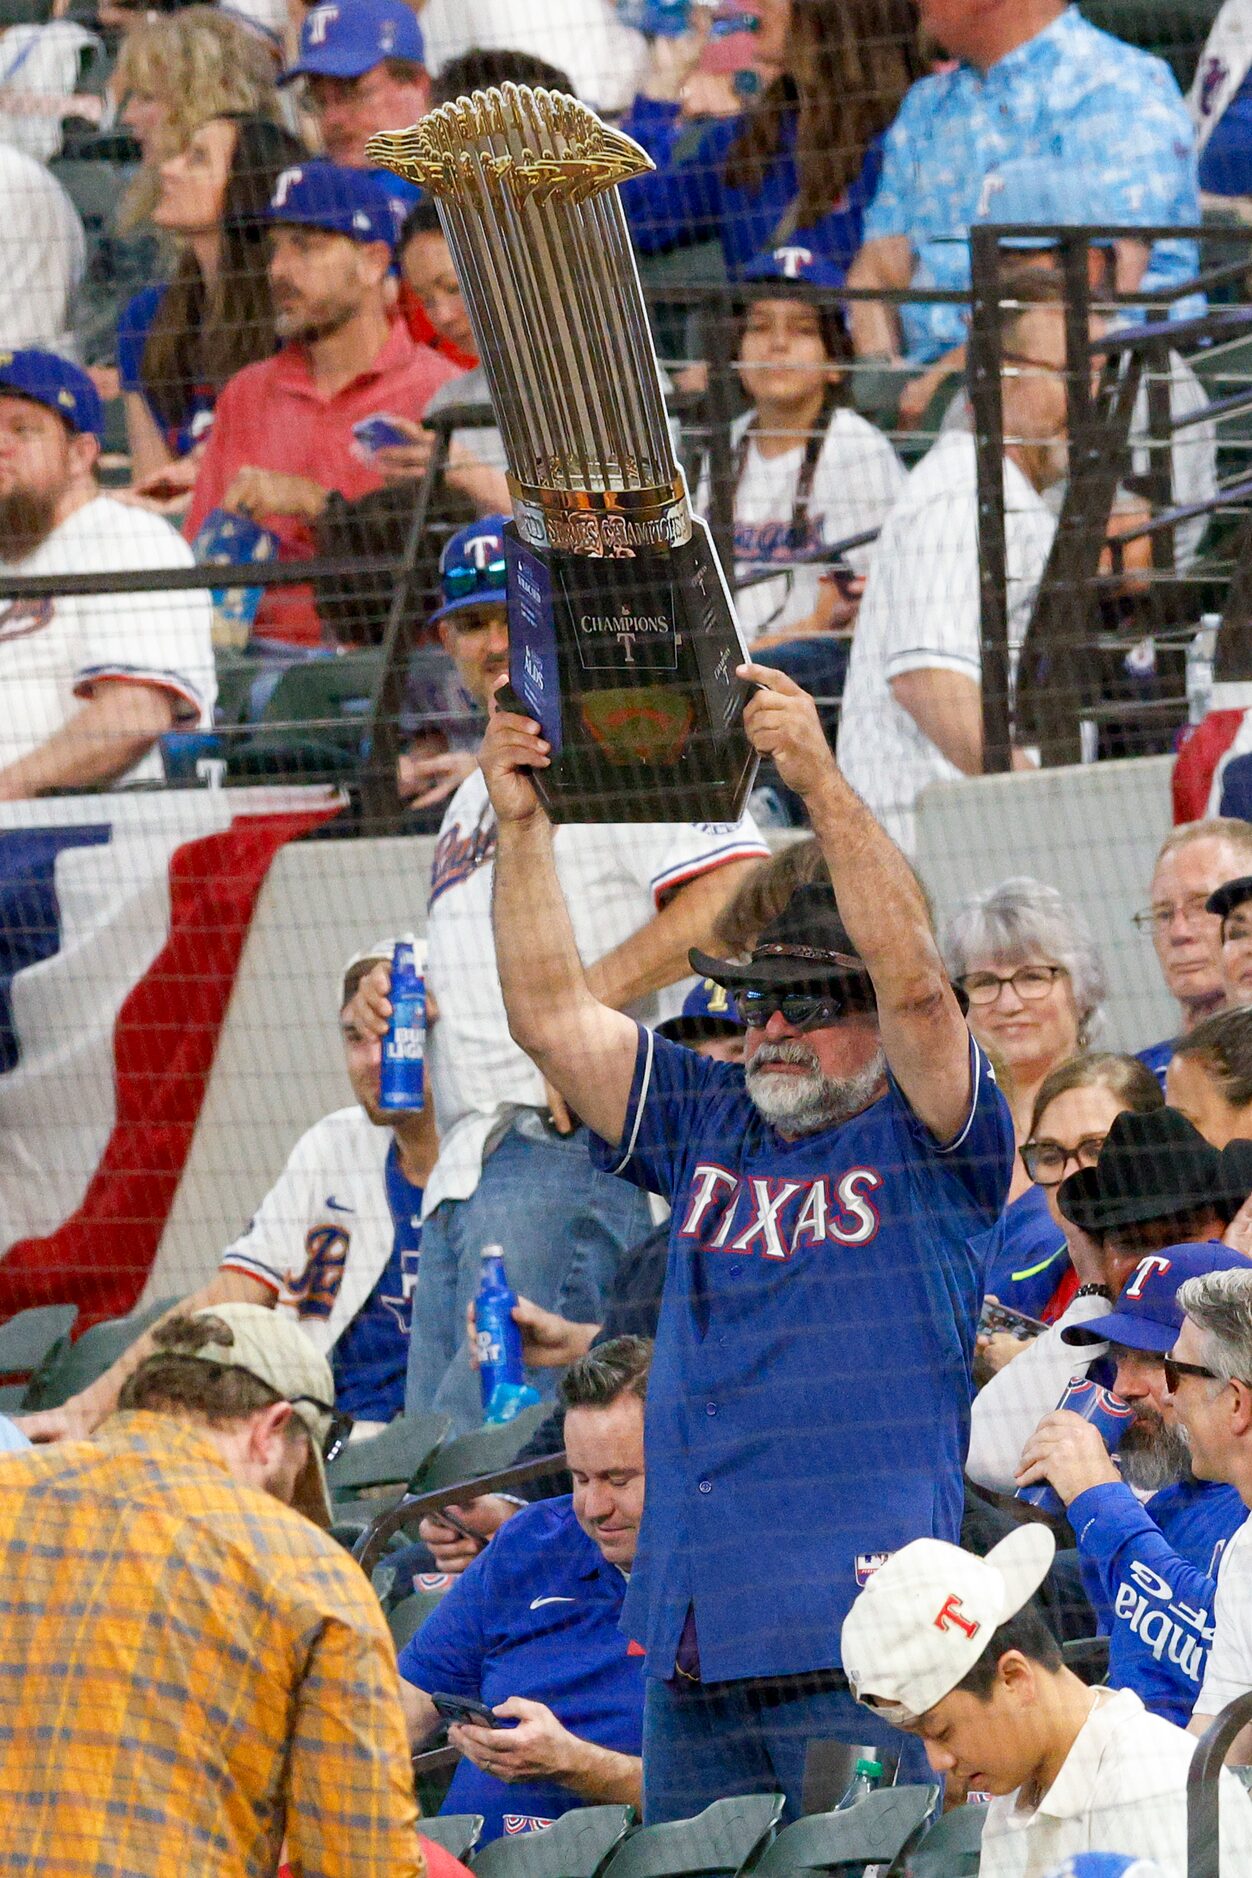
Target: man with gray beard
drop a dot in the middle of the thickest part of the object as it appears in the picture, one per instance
(812, 1376)
(1150, 1535)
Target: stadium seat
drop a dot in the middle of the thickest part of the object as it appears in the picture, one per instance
(878, 1828)
(410, 1614)
(951, 1848)
(457, 1833)
(28, 1340)
(1174, 29)
(575, 1846)
(482, 1451)
(99, 1347)
(316, 722)
(399, 1454)
(720, 1839)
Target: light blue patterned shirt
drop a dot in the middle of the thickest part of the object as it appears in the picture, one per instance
(1072, 95)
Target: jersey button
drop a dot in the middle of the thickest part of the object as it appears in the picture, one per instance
(710, 1408)
(735, 1269)
(706, 1486)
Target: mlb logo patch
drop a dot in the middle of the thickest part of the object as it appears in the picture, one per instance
(867, 1563)
(524, 1822)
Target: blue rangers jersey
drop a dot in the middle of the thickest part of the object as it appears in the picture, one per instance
(808, 1406)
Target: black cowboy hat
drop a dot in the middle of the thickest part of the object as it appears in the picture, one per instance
(1229, 895)
(1151, 1167)
(806, 944)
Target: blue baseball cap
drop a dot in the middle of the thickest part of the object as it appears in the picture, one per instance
(1106, 1865)
(795, 262)
(46, 378)
(345, 40)
(1147, 1315)
(1039, 189)
(343, 201)
(472, 568)
(708, 1011)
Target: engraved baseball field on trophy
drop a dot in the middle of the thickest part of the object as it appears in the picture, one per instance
(623, 640)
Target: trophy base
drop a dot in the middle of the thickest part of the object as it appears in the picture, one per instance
(628, 664)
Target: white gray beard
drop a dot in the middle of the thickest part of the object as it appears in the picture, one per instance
(805, 1105)
(1152, 1455)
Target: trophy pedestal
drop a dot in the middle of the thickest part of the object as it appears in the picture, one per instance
(628, 664)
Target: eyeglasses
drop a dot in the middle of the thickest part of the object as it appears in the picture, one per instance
(458, 581)
(801, 1010)
(1046, 1161)
(1174, 1372)
(1157, 918)
(339, 1430)
(1030, 982)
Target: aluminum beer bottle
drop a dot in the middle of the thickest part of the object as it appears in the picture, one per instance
(1104, 1411)
(498, 1340)
(402, 1082)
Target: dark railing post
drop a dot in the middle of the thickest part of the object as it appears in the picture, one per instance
(1203, 1794)
(984, 391)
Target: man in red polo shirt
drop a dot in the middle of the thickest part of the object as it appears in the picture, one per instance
(282, 438)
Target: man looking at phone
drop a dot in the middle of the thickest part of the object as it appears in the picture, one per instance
(525, 1656)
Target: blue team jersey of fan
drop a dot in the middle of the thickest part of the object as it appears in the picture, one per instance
(1151, 1572)
(1158, 1056)
(1025, 1254)
(536, 1615)
(133, 326)
(370, 1361)
(1085, 101)
(808, 1406)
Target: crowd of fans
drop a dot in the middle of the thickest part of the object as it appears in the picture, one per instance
(850, 1204)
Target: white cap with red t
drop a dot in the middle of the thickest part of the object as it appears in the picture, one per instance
(929, 1612)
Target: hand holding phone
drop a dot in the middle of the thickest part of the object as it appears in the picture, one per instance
(463, 1708)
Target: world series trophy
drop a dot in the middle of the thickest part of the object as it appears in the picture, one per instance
(623, 641)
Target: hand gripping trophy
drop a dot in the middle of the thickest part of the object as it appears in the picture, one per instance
(623, 640)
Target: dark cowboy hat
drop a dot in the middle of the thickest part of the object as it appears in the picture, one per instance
(806, 944)
(1151, 1167)
(1229, 895)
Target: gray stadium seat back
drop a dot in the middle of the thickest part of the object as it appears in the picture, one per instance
(409, 1615)
(99, 1347)
(575, 1846)
(392, 1458)
(951, 1848)
(877, 1829)
(457, 1833)
(723, 1838)
(29, 1338)
(483, 1451)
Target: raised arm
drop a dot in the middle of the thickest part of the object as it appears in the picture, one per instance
(582, 1047)
(881, 903)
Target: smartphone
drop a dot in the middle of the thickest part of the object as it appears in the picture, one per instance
(1002, 1317)
(458, 1525)
(463, 1708)
(379, 432)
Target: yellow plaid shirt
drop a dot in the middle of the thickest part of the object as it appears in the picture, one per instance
(189, 1671)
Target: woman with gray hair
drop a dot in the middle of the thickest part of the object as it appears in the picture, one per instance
(1026, 962)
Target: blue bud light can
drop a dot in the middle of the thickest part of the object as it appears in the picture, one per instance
(402, 1081)
(1104, 1411)
(498, 1342)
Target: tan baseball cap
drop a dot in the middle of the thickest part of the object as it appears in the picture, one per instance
(927, 1615)
(268, 1345)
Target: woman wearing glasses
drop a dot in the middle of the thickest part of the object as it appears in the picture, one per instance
(1034, 981)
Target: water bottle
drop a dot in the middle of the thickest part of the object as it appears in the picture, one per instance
(1104, 1411)
(498, 1341)
(401, 1084)
(867, 1777)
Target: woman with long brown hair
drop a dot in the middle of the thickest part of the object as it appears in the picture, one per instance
(179, 343)
(794, 146)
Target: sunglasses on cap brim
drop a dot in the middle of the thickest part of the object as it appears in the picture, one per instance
(459, 582)
(338, 1430)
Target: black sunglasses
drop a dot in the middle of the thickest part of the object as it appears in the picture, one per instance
(339, 1431)
(801, 1010)
(1174, 1372)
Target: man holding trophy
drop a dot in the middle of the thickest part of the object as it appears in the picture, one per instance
(821, 1299)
